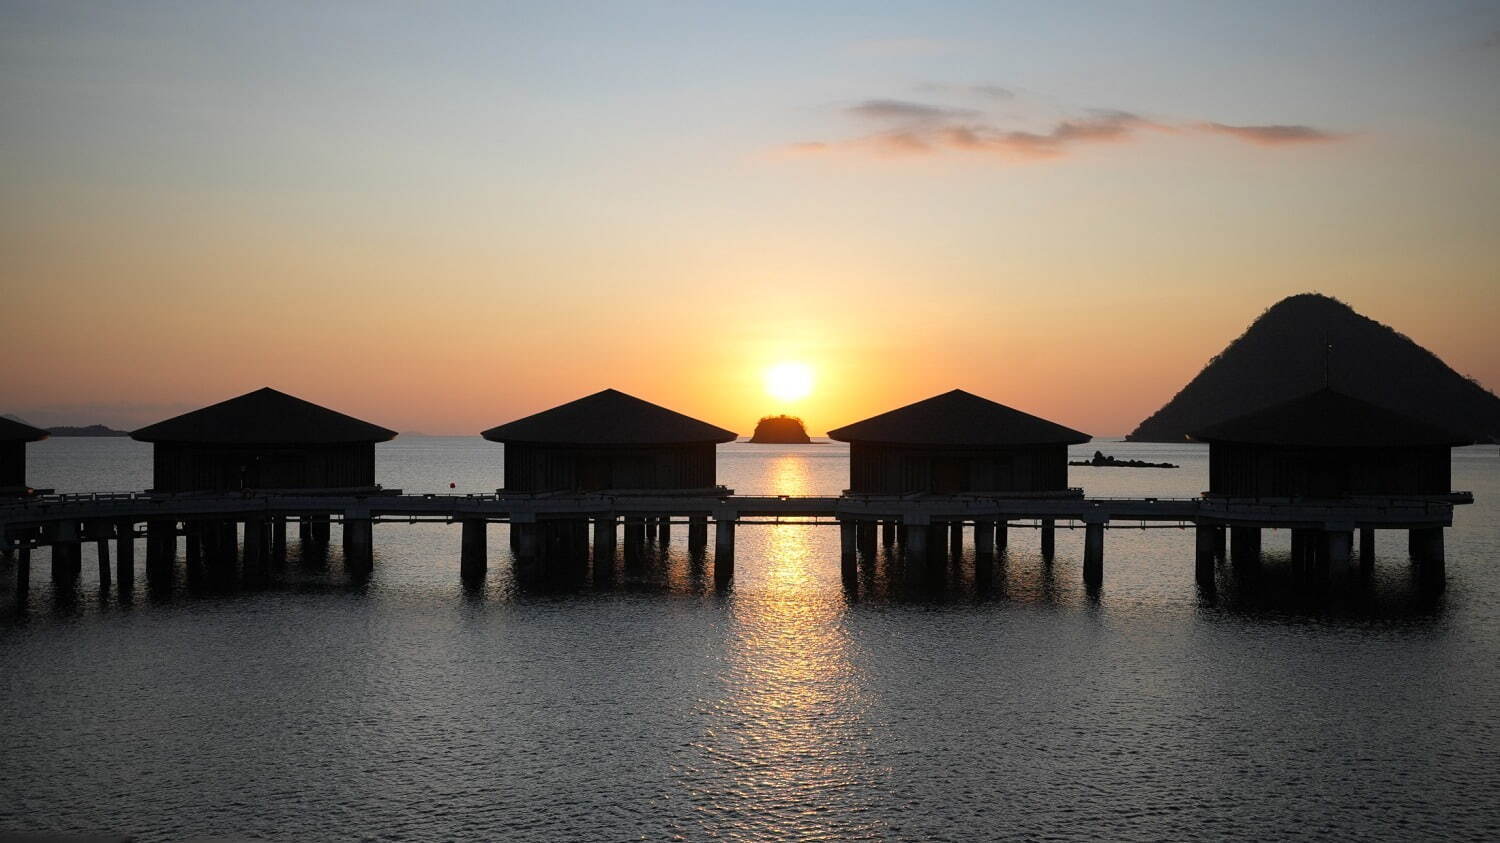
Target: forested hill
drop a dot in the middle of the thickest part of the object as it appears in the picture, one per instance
(1282, 355)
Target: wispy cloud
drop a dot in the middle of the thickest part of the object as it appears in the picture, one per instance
(907, 128)
(1272, 135)
(1492, 42)
(903, 110)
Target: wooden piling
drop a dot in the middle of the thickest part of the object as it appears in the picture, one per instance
(724, 547)
(1049, 538)
(1093, 554)
(984, 540)
(1244, 545)
(1367, 548)
(473, 558)
(848, 540)
(1205, 546)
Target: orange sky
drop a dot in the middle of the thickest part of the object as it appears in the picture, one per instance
(463, 217)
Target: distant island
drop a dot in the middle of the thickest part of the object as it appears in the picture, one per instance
(1101, 461)
(65, 430)
(89, 430)
(781, 430)
(1308, 341)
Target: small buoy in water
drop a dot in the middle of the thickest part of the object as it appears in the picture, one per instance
(452, 486)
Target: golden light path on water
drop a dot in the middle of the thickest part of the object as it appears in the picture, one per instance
(789, 734)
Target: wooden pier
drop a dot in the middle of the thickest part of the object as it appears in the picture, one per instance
(544, 527)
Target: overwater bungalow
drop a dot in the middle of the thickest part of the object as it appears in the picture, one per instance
(609, 440)
(1326, 444)
(13, 438)
(958, 443)
(263, 440)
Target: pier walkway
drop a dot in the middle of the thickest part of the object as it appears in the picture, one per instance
(549, 525)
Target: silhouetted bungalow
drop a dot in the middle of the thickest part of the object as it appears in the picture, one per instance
(608, 440)
(957, 442)
(1327, 444)
(13, 438)
(263, 440)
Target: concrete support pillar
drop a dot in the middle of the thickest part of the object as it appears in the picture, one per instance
(125, 553)
(322, 530)
(1244, 545)
(1049, 538)
(359, 539)
(1367, 547)
(23, 573)
(697, 532)
(916, 543)
(1221, 543)
(526, 540)
(192, 542)
(724, 546)
(304, 530)
(1304, 547)
(67, 555)
(1427, 551)
(278, 538)
(1093, 554)
(255, 545)
(473, 557)
(161, 546)
(664, 530)
(1340, 545)
(888, 532)
(984, 539)
(1002, 536)
(848, 539)
(604, 537)
(102, 548)
(1203, 568)
(866, 537)
(956, 539)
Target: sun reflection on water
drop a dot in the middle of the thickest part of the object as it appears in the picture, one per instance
(790, 732)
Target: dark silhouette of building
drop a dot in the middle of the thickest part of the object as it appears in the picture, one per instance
(13, 438)
(263, 440)
(955, 443)
(608, 440)
(1326, 444)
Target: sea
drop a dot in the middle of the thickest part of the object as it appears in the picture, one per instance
(407, 705)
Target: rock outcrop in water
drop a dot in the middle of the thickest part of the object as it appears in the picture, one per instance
(1308, 341)
(780, 430)
(1101, 461)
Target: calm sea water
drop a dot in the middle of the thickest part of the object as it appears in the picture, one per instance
(405, 707)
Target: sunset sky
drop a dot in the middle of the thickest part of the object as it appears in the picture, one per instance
(442, 216)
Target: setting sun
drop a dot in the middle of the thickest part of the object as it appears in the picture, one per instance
(789, 381)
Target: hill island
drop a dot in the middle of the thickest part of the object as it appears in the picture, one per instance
(780, 430)
(1309, 341)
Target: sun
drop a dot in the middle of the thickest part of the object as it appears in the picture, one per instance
(789, 381)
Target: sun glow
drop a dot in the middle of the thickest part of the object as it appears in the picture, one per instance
(789, 381)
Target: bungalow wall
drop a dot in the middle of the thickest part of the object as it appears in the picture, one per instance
(548, 468)
(180, 467)
(1240, 470)
(12, 464)
(896, 469)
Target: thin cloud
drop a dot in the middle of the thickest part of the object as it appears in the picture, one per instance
(903, 110)
(917, 129)
(1492, 42)
(1273, 135)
